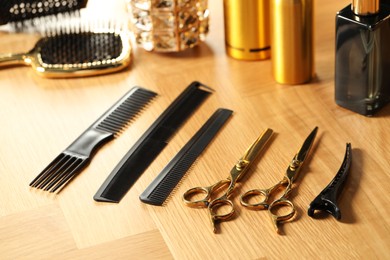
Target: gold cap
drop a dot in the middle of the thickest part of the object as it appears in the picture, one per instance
(292, 51)
(247, 32)
(365, 7)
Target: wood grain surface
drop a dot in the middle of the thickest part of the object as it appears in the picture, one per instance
(41, 117)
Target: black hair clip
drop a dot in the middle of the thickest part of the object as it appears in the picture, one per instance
(327, 199)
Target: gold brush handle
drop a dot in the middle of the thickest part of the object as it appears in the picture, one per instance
(13, 59)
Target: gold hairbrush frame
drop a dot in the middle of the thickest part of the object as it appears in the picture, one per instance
(33, 59)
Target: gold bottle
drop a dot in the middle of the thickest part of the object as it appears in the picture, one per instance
(292, 49)
(247, 32)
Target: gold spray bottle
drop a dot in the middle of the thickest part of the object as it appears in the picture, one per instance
(292, 51)
(247, 32)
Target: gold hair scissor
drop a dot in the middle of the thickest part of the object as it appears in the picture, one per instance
(286, 183)
(238, 170)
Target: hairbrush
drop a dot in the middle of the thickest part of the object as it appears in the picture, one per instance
(22, 10)
(75, 52)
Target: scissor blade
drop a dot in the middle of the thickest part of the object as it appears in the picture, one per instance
(257, 145)
(302, 153)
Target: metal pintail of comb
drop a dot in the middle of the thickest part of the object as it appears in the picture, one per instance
(327, 199)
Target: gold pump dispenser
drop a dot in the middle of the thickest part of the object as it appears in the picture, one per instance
(365, 7)
(247, 32)
(292, 51)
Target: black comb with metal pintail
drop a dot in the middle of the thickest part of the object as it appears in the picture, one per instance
(161, 187)
(74, 158)
(13, 11)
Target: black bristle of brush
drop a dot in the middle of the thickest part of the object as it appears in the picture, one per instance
(82, 41)
(14, 11)
(83, 47)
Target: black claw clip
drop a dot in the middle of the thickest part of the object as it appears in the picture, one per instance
(327, 199)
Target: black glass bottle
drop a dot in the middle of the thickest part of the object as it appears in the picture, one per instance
(362, 76)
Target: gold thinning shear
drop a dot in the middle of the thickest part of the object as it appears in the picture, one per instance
(238, 170)
(286, 183)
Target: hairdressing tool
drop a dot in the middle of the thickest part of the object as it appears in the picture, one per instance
(286, 183)
(247, 29)
(151, 143)
(71, 161)
(160, 188)
(327, 199)
(22, 10)
(77, 53)
(292, 40)
(238, 170)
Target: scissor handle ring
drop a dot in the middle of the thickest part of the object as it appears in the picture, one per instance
(215, 204)
(200, 203)
(244, 199)
(284, 217)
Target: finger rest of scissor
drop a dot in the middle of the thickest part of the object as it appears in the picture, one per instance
(197, 203)
(280, 218)
(218, 217)
(252, 194)
(219, 203)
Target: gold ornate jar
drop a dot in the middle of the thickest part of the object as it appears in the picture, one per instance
(168, 25)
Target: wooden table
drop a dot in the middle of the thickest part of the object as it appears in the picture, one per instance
(40, 117)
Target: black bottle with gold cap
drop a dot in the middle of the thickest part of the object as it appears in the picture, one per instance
(362, 76)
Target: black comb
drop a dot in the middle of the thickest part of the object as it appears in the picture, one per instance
(151, 143)
(71, 161)
(22, 10)
(327, 199)
(160, 188)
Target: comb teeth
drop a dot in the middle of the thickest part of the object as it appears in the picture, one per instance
(69, 163)
(16, 11)
(125, 112)
(169, 182)
(161, 187)
(151, 143)
(60, 171)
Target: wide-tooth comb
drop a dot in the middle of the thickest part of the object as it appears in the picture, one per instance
(74, 158)
(22, 10)
(161, 187)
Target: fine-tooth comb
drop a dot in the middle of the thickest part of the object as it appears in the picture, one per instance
(327, 199)
(75, 52)
(161, 187)
(12, 11)
(151, 143)
(71, 161)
